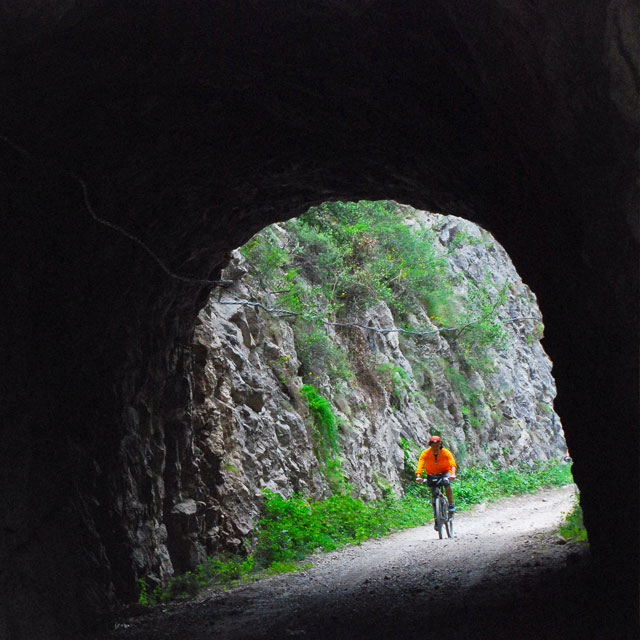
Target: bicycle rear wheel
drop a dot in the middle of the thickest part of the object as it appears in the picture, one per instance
(449, 526)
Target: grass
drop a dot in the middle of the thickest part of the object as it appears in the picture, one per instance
(293, 528)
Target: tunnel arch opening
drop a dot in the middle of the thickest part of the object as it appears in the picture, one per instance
(280, 333)
(141, 414)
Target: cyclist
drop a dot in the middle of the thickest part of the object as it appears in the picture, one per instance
(437, 459)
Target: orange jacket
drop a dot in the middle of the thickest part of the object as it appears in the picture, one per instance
(429, 463)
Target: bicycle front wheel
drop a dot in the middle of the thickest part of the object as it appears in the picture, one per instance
(437, 515)
(449, 526)
(444, 516)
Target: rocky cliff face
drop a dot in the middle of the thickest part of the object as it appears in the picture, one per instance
(252, 428)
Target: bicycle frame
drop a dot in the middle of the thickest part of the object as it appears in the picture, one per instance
(440, 504)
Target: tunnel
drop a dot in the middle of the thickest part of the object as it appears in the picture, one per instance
(142, 142)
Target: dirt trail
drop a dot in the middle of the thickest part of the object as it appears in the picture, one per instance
(493, 579)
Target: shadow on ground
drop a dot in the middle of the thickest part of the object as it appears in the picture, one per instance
(567, 603)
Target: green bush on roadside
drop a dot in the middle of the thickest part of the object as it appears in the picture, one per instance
(295, 527)
(292, 528)
(491, 482)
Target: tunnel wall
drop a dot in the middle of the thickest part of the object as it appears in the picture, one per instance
(141, 142)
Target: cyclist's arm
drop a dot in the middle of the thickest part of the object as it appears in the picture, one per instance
(421, 463)
(452, 465)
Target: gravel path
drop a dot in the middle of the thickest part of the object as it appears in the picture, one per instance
(503, 575)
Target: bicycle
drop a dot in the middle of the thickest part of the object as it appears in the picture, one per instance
(441, 514)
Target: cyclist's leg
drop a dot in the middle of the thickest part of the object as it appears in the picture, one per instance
(449, 493)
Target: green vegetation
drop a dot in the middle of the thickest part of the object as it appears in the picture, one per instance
(411, 453)
(471, 419)
(482, 328)
(397, 377)
(292, 528)
(371, 256)
(325, 433)
(463, 238)
(319, 354)
(473, 398)
(344, 257)
(573, 526)
(263, 250)
(544, 406)
(536, 334)
(220, 570)
(295, 527)
(335, 478)
(490, 482)
(480, 483)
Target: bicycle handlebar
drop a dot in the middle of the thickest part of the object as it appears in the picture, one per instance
(420, 479)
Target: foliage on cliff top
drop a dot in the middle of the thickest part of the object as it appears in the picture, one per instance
(341, 258)
(362, 253)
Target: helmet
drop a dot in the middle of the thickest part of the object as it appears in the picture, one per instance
(433, 439)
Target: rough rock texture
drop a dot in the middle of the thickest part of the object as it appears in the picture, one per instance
(191, 126)
(252, 428)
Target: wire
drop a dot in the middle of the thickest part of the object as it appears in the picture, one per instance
(285, 312)
(116, 227)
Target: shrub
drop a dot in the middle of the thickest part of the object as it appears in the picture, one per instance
(342, 257)
(381, 257)
(295, 527)
(411, 454)
(395, 375)
(219, 570)
(489, 482)
(319, 354)
(264, 255)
